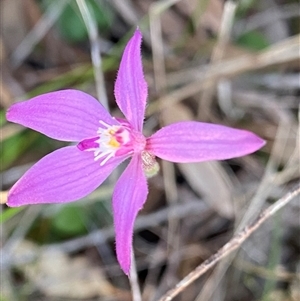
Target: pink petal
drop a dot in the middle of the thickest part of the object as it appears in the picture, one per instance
(65, 175)
(128, 198)
(131, 89)
(196, 142)
(68, 115)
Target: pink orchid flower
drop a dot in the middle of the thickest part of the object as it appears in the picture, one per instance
(103, 142)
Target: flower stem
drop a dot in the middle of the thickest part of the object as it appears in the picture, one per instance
(135, 288)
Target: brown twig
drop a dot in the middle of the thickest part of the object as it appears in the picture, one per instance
(232, 245)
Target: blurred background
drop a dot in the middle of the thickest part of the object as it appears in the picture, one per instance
(232, 63)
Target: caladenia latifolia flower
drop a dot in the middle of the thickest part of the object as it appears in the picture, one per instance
(103, 142)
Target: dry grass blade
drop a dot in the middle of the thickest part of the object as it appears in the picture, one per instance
(267, 17)
(283, 52)
(92, 29)
(265, 186)
(38, 32)
(157, 43)
(218, 53)
(126, 10)
(232, 245)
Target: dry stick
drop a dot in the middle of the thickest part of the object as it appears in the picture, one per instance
(92, 29)
(232, 245)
